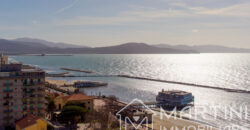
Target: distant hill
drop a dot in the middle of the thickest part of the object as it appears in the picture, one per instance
(36, 47)
(138, 48)
(8, 46)
(49, 44)
(205, 48)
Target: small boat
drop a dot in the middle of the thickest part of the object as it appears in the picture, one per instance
(86, 84)
(174, 98)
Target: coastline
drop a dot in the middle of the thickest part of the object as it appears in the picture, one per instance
(105, 76)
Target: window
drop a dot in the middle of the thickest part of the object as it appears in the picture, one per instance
(7, 89)
(15, 107)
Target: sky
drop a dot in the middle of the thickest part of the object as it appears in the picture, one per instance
(112, 22)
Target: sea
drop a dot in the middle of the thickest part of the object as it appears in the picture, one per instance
(214, 107)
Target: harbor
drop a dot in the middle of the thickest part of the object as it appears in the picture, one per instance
(143, 86)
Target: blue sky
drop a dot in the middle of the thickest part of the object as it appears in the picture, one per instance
(111, 22)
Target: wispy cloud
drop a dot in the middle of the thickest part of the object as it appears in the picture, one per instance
(144, 14)
(195, 30)
(67, 7)
(123, 17)
(239, 10)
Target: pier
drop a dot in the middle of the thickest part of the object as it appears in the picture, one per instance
(77, 70)
(159, 80)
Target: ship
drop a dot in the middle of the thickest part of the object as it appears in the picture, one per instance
(86, 84)
(174, 98)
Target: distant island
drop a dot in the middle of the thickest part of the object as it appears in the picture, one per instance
(37, 46)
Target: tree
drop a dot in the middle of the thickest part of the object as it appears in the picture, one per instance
(51, 106)
(72, 114)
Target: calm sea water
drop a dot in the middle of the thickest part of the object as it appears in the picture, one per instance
(220, 70)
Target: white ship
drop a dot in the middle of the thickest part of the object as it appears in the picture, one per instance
(174, 98)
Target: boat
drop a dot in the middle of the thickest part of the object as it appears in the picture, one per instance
(174, 98)
(86, 84)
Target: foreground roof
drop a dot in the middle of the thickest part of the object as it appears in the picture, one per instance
(78, 97)
(27, 121)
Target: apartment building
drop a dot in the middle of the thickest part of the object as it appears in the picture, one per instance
(21, 92)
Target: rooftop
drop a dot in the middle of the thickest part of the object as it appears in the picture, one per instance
(27, 121)
(77, 97)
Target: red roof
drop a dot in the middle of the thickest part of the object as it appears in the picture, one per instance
(27, 121)
(77, 97)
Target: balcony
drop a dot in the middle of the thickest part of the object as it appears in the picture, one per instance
(40, 102)
(8, 84)
(40, 95)
(7, 104)
(40, 89)
(40, 108)
(28, 92)
(32, 83)
(29, 96)
(7, 91)
(8, 111)
(8, 117)
(7, 97)
(31, 102)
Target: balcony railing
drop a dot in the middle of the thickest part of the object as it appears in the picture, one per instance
(7, 97)
(8, 111)
(8, 117)
(8, 84)
(40, 89)
(33, 84)
(29, 96)
(32, 102)
(40, 102)
(7, 104)
(7, 91)
(40, 95)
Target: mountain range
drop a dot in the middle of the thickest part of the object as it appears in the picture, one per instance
(206, 48)
(37, 46)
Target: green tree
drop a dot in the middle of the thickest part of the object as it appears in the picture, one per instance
(72, 114)
(51, 107)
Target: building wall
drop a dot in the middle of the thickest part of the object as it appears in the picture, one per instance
(59, 101)
(10, 100)
(41, 125)
(4, 59)
(18, 99)
(89, 104)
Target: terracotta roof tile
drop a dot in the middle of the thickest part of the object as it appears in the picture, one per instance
(27, 121)
(78, 97)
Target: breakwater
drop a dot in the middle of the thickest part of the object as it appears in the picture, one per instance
(164, 81)
(77, 70)
(188, 84)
